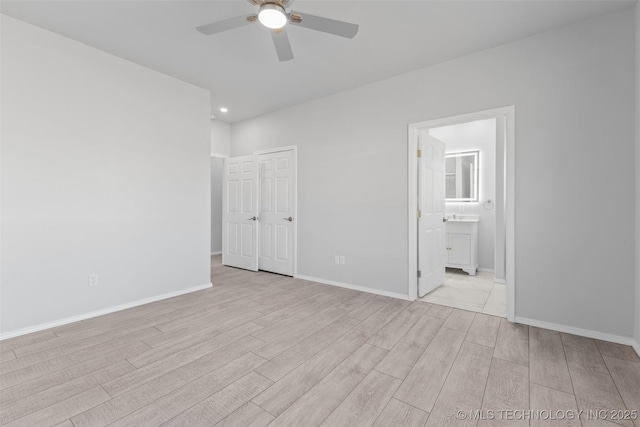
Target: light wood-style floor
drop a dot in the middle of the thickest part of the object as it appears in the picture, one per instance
(261, 349)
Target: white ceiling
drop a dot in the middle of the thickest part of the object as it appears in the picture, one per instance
(240, 66)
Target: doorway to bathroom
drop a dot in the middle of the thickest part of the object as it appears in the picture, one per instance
(461, 212)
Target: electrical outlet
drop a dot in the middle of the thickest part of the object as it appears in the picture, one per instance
(342, 259)
(93, 280)
(336, 259)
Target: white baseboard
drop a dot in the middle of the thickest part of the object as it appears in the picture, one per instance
(504, 282)
(355, 287)
(486, 270)
(636, 347)
(100, 312)
(618, 339)
(216, 253)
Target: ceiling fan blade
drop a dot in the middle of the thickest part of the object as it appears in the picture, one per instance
(226, 24)
(283, 47)
(286, 3)
(326, 25)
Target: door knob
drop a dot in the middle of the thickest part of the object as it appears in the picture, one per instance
(444, 219)
(288, 219)
(253, 218)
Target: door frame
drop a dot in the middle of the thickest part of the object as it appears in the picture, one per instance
(295, 192)
(414, 129)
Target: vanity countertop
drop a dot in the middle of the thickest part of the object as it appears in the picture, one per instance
(463, 218)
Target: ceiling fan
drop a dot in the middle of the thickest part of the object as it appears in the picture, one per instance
(273, 15)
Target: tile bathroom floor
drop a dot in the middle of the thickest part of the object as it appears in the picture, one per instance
(474, 293)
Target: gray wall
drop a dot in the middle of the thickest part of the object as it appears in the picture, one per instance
(572, 88)
(220, 138)
(105, 170)
(217, 170)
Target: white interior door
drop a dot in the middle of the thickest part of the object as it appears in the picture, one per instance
(276, 212)
(431, 226)
(239, 211)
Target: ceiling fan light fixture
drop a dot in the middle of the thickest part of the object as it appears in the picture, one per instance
(272, 16)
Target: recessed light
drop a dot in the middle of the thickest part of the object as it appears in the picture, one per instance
(223, 109)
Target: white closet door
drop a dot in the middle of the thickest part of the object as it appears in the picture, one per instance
(276, 211)
(431, 226)
(239, 210)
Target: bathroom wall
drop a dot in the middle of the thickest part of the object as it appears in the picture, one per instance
(478, 135)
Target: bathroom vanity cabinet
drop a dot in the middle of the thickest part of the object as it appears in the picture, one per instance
(462, 244)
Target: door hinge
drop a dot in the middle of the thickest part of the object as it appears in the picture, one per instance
(419, 274)
(419, 213)
(419, 153)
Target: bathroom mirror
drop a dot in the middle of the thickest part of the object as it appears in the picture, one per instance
(461, 176)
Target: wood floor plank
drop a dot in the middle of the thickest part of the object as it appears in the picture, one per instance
(393, 331)
(286, 297)
(220, 368)
(198, 309)
(76, 351)
(512, 343)
(459, 320)
(74, 342)
(290, 359)
(507, 390)
(173, 404)
(399, 414)
(423, 383)
(626, 375)
(221, 404)
(218, 340)
(41, 400)
(62, 411)
(22, 390)
(547, 399)
(277, 398)
(356, 301)
(248, 415)
(365, 403)
(439, 311)
(618, 351)
(147, 373)
(464, 387)
(298, 309)
(7, 355)
(47, 366)
(547, 363)
(25, 340)
(370, 307)
(202, 327)
(319, 311)
(399, 361)
(114, 320)
(315, 405)
(484, 330)
(593, 385)
(210, 317)
(297, 333)
(376, 321)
